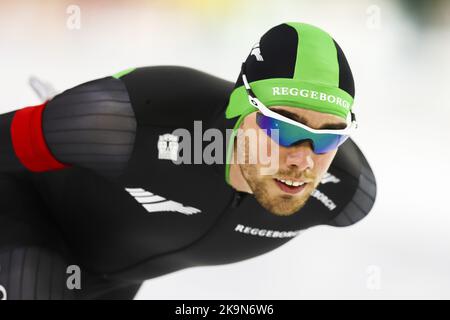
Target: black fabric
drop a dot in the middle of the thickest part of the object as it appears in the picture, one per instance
(168, 96)
(279, 48)
(364, 197)
(125, 292)
(120, 241)
(8, 160)
(346, 82)
(38, 273)
(92, 126)
(126, 241)
(33, 273)
(33, 253)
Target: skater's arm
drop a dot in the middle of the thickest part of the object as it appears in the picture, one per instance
(90, 126)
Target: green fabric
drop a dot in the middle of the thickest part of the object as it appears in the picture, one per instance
(293, 93)
(315, 84)
(316, 56)
(316, 76)
(120, 74)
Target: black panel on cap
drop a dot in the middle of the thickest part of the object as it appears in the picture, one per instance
(278, 48)
(346, 82)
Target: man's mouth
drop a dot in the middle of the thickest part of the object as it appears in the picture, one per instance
(290, 186)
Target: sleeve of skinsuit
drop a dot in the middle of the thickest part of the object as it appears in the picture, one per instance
(351, 164)
(91, 126)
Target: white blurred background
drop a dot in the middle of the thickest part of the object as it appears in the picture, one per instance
(399, 53)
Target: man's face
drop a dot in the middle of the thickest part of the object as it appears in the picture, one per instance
(297, 163)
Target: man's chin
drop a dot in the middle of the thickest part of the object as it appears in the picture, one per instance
(282, 209)
(273, 198)
(281, 204)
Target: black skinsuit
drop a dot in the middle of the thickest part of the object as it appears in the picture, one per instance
(124, 215)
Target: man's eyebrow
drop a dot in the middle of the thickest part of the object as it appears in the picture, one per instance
(299, 118)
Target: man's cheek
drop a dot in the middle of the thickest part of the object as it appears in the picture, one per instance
(269, 155)
(323, 162)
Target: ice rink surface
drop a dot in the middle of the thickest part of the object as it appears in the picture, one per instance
(401, 68)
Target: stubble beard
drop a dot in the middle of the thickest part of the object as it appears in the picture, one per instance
(278, 204)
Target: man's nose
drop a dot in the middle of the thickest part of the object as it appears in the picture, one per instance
(300, 156)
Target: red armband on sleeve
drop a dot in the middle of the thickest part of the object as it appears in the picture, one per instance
(29, 142)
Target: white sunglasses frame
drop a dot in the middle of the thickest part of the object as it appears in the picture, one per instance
(254, 101)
